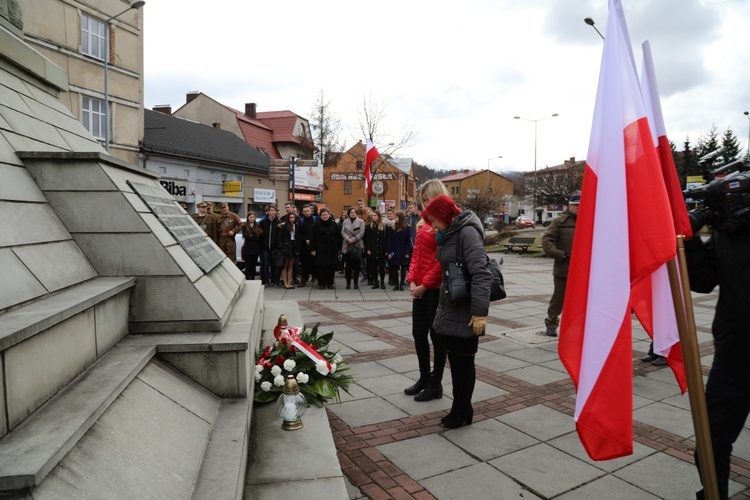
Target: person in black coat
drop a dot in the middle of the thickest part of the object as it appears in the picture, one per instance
(724, 261)
(251, 234)
(269, 272)
(399, 246)
(289, 237)
(375, 249)
(325, 242)
(306, 264)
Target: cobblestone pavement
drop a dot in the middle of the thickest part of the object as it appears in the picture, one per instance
(522, 443)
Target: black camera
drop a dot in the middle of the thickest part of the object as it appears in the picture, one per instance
(725, 196)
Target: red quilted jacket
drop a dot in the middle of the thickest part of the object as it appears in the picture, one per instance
(425, 269)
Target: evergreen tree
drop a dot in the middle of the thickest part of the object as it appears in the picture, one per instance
(731, 148)
(709, 143)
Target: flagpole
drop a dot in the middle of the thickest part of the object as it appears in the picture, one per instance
(683, 303)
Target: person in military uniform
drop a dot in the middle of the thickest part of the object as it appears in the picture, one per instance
(207, 222)
(557, 242)
(229, 224)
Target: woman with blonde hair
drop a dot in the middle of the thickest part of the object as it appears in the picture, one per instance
(425, 276)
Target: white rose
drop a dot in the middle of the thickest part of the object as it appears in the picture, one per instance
(333, 368)
(303, 378)
(266, 386)
(289, 365)
(258, 368)
(278, 380)
(258, 376)
(337, 358)
(321, 367)
(275, 370)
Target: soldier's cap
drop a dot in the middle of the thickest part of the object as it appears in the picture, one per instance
(575, 199)
(202, 204)
(224, 204)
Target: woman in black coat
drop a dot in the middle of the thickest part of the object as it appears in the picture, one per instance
(289, 238)
(251, 233)
(325, 241)
(460, 236)
(375, 249)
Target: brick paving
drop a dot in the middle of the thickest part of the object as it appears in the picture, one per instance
(384, 316)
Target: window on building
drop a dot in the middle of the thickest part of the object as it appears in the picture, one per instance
(93, 37)
(359, 165)
(92, 116)
(347, 187)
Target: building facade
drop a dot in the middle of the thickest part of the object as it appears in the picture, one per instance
(201, 163)
(75, 35)
(392, 181)
(280, 135)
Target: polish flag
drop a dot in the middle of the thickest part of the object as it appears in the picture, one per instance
(652, 298)
(617, 244)
(370, 155)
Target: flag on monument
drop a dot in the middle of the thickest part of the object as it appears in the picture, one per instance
(652, 298)
(616, 245)
(370, 155)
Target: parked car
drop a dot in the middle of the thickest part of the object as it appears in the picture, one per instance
(547, 222)
(490, 222)
(524, 221)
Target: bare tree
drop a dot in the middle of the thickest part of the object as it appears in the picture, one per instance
(372, 123)
(483, 204)
(555, 185)
(325, 128)
(519, 182)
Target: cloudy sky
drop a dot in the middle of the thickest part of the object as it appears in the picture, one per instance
(455, 72)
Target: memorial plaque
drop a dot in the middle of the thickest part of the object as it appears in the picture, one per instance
(180, 225)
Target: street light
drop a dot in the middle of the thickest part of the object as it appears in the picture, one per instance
(747, 113)
(590, 22)
(137, 4)
(535, 144)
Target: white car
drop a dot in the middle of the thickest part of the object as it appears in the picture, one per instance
(239, 241)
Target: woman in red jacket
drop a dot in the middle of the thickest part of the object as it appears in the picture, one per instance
(425, 276)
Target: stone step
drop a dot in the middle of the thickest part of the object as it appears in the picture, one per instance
(222, 473)
(33, 448)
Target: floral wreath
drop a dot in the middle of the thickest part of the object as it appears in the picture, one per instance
(320, 373)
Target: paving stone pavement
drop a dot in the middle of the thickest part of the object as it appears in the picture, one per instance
(522, 443)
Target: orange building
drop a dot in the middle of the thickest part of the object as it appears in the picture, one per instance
(393, 180)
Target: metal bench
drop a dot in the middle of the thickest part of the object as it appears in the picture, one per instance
(523, 244)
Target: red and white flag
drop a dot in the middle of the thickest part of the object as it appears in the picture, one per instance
(370, 155)
(617, 244)
(652, 298)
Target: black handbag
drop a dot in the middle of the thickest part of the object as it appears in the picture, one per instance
(458, 282)
(354, 252)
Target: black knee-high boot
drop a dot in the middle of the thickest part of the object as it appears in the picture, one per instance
(422, 346)
(463, 373)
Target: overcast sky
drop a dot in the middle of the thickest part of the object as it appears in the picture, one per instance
(455, 72)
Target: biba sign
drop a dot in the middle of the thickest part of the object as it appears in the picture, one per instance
(175, 189)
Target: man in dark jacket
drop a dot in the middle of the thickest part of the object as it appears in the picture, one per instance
(557, 242)
(307, 265)
(725, 262)
(269, 273)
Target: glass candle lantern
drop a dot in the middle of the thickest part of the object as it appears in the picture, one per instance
(291, 405)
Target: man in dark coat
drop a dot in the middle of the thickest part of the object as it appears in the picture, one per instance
(269, 273)
(307, 264)
(557, 242)
(724, 261)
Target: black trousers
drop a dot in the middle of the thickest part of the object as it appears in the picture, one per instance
(375, 267)
(552, 321)
(306, 265)
(325, 275)
(423, 314)
(728, 402)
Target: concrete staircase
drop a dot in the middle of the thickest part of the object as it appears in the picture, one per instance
(129, 424)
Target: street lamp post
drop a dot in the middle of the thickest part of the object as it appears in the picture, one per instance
(747, 113)
(137, 4)
(590, 22)
(535, 150)
(488, 170)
